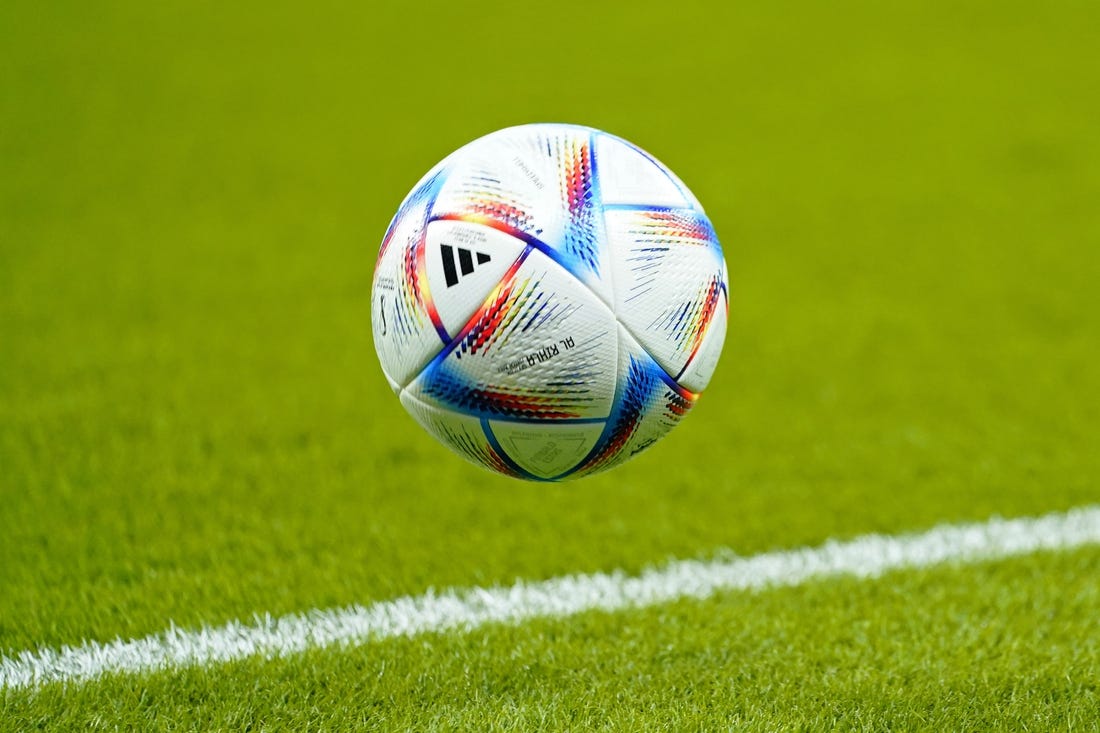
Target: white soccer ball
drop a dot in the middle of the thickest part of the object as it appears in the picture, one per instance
(549, 300)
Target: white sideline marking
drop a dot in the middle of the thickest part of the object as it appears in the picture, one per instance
(271, 637)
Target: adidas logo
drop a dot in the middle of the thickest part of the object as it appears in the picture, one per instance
(465, 262)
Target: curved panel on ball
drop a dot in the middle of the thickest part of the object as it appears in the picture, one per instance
(631, 177)
(546, 450)
(406, 327)
(670, 280)
(501, 180)
(696, 375)
(539, 183)
(463, 434)
(464, 262)
(537, 349)
(648, 404)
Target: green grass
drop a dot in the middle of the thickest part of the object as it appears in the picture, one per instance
(193, 426)
(1010, 645)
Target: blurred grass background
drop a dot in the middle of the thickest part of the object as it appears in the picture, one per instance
(193, 425)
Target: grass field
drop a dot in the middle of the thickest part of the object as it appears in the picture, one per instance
(194, 428)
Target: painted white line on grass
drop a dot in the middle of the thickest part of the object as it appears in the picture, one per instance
(865, 557)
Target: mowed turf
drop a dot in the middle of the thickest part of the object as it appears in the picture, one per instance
(1008, 645)
(193, 427)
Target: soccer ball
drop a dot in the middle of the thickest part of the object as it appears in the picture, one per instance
(549, 301)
